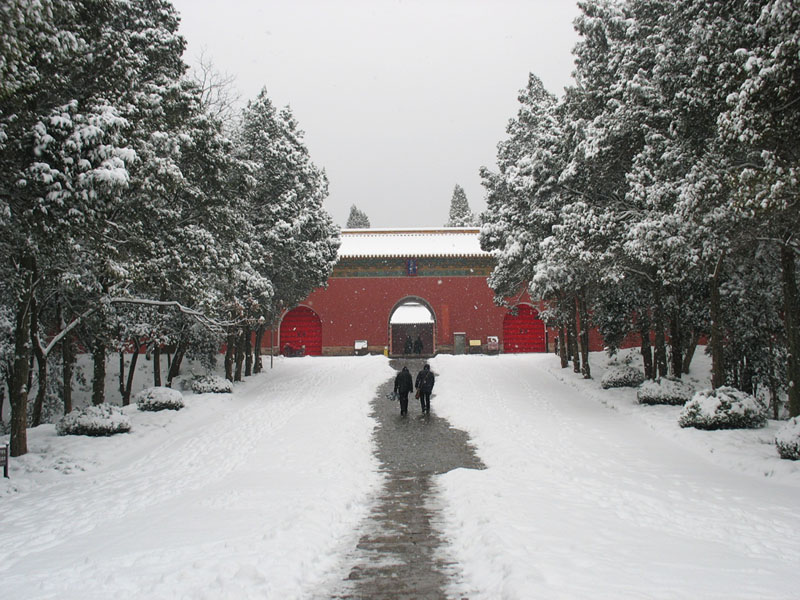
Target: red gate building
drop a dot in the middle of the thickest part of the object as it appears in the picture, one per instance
(382, 271)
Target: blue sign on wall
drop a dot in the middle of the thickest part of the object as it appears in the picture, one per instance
(411, 266)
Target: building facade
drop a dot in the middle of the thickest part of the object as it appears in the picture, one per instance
(384, 277)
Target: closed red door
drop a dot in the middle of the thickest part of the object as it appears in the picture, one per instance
(523, 331)
(302, 328)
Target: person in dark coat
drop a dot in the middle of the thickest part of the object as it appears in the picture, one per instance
(418, 345)
(402, 386)
(424, 383)
(408, 346)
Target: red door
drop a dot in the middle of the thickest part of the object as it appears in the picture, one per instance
(301, 331)
(524, 331)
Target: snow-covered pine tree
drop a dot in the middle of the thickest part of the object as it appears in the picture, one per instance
(91, 83)
(357, 219)
(460, 213)
(523, 196)
(298, 238)
(762, 128)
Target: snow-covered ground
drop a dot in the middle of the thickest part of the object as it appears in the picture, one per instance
(259, 494)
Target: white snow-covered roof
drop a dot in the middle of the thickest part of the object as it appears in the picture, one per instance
(440, 241)
(410, 314)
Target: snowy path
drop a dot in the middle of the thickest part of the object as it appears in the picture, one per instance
(580, 501)
(260, 494)
(400, 554)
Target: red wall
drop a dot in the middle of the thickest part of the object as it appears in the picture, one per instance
(359, 308)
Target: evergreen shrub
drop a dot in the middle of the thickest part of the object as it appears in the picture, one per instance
(788, 439)
(159, 398)
(97, 421)
(723, 408)
(665, 391)
(211, 384)
(621, 376)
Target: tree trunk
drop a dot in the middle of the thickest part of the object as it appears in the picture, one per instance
(572, 338)
(658, 326)
(772, 382)
(122, 372)
(175, 365)
(67, 363)
(229, 350)
(562, 346)
(717, 355)
(676, 345)
(792, 326)
(41, 392)
(248, 351)
(646, 348)
(584, 335)
(257, 350)
(18, 392)
(126, 394)
(689, 354)
(239, 354)
(156, 364)
(99, 375)
(41, 361)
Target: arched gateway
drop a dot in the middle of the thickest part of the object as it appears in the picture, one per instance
(380, 272)
(412, 328)
(523, 330)
(301, 333)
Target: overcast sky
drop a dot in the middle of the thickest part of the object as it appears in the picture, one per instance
(399, 99)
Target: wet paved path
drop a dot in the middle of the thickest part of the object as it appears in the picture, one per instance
(399, 555)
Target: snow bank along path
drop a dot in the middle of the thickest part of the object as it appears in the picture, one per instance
(582, 501)
(246, 496)
(260, 494)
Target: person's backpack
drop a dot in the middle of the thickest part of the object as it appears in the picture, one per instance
(427, 380)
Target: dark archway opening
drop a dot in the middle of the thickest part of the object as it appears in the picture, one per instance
(412, 329)
(301, 333)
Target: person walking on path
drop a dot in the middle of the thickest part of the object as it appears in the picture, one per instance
(424, 385)
(418, 345)
(402, 386)
(408, 346)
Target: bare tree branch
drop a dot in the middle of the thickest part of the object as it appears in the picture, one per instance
(219, 96)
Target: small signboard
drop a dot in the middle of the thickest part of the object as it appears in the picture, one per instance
(4, 460)
(492, 344)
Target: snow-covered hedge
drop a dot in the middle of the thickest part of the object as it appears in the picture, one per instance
(104, 419)
(621, 376)
(788, 439)
(723, 408)
(212, 384)
(159, 398)
(665, 391)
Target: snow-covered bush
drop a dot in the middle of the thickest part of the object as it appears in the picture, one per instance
(723, 408)
(159, 398)
(104, 419)
(621, 376)
(788, 439)
(665, 391)
(212, 384)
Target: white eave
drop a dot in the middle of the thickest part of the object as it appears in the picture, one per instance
(411, 243)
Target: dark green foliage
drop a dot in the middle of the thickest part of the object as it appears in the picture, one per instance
(95, 421)
(664, 391)
(159, 398)
(621, 376)
(723, 408)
